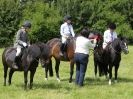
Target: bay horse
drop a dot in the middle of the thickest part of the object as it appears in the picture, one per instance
(55, 52)
(28, 62)
(112, 55)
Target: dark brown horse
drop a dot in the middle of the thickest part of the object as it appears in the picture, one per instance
(69, 56)
(98, 56)
(28, 62)
(112, 56)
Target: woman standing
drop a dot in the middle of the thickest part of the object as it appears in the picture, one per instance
(83, 44)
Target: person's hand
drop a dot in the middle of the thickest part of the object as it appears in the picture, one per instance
(95, 41)
(66, 36)
(24, 44)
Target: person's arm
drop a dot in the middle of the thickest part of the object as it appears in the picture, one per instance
(18, 39)
(72, 31)
(92, 45)
(115, 35)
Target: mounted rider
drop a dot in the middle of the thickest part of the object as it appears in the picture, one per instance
(21, 41)
(66, 31)
(109, 34)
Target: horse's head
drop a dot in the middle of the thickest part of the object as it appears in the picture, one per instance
(124, 45)
(45, 54)
(98, 37)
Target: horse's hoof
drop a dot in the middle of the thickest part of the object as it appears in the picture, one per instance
(109, 82)
(46, 79)
(58, 79)
(95, 76)
(70, 81)
(116, 81)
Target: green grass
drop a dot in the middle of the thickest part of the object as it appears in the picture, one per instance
(51, 89)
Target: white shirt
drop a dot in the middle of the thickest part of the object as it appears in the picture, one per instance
(67, 30)
(109, 37)
(83, 45)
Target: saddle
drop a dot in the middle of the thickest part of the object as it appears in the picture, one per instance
(11, 55)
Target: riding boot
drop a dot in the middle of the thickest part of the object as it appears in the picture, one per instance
(62, 49)
(14, 65)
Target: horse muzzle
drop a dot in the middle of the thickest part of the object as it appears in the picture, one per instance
(125, 51)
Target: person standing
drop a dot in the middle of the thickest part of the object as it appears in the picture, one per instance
(83, 44)
(21, 41)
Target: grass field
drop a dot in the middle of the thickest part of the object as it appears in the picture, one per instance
(51, 89)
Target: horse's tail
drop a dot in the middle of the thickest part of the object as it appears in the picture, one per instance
(50, 68)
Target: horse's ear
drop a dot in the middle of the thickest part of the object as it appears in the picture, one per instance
(120, 36)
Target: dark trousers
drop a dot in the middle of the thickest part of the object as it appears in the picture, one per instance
(81, 61)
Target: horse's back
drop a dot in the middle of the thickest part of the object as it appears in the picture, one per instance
(53, 41)
(8, 55)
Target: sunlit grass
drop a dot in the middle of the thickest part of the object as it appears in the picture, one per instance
(51, 89)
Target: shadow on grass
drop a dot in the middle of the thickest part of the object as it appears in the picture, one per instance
(99, 81)
(95, 81)
(48, 85)
(125, 80)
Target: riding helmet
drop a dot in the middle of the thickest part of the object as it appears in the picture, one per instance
(27, 24)
(67, 17)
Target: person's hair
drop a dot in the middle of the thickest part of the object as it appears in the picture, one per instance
(84, 32)
(112, 26)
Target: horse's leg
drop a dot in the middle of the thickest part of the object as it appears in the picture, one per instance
(100, 70)
(32, 73)
(25, 78)
(105, 69)
(57, 69)
(50, 68)
(71, 70)
(95, 68)
(116, 71)
(46, 72)
(10, 75)
(5, 74)
(110, 74)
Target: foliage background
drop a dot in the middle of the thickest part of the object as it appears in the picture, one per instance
(47, 16)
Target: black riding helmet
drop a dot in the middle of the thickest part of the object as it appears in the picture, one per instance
(27, 24)
(112, 26)
(67, 17)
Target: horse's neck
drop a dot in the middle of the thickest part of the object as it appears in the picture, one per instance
(116, 45)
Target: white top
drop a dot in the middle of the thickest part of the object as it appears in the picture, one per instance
(109, 37)
(83, 45)
(67, 30)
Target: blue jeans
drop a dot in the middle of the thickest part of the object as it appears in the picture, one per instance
(81, 61)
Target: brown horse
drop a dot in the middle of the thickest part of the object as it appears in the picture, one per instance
(69, 56)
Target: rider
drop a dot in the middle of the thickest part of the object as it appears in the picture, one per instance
(109, 35)
(66, 31)
(21, 41)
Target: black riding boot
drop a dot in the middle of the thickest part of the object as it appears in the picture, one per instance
(14, 65)
(62, 49)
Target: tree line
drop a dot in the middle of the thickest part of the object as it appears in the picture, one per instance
(46, 17)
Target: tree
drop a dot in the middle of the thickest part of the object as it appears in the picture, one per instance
(10, 15)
